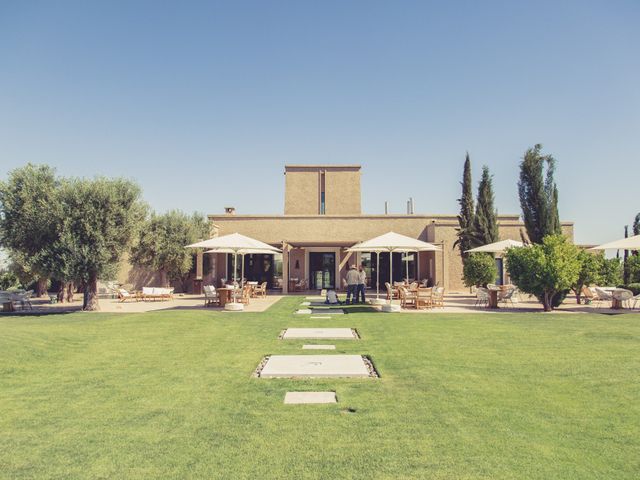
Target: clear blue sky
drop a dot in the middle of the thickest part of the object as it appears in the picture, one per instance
(204, 103)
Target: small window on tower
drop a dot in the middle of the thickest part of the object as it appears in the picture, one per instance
(322, 199)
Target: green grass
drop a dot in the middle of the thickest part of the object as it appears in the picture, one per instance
(170, 395)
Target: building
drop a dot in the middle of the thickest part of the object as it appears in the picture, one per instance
(322, 218)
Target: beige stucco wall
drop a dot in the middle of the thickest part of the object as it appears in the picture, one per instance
(345, 230)
(342, 191)
(303, 186)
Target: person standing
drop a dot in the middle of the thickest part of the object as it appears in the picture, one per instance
(353, 277)
(362, 281)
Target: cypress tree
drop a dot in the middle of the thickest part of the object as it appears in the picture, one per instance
(538, 195)
(466, 216)
(486, 218)
(636, 225)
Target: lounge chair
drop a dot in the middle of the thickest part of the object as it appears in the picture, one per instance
(124, 295)
(587, 296)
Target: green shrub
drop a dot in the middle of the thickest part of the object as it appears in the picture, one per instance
(479, 270)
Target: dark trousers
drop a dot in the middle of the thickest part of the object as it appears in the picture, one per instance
(360, 293)
(352, 291)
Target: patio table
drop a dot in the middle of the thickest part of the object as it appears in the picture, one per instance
(225, 295)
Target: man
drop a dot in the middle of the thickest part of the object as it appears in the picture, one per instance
(353, 277)
(362, 281)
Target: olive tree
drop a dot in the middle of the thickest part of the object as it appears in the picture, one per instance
(546, 270)
(29, 218)
(591, 266)
(99, 222)
(161, 244)
(479, 270)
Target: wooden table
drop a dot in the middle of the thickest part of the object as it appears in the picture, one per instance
(8, 307)
(224, 294)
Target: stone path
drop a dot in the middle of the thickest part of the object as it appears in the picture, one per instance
(320, 333)
(318, 347)
(293, 398)
(315, 366)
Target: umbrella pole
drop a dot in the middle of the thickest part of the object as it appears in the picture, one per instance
(235, 273)
(377, 275)
(406, 260)
(391, 275)
(242, 272)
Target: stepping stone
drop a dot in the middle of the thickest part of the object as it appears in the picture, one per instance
(327, 311)
(315, 366)
(305, 304)
(322, 318)
(319, 333)
(304, 311)
(293, 398)
(318, 347)
(315, 299)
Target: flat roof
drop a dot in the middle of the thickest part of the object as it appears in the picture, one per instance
(323, 165)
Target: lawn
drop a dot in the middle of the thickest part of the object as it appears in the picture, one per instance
(170, 395)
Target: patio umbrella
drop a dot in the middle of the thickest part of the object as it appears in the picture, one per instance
(234, 243)
(630, 243)
(496, 247)
(392, 242)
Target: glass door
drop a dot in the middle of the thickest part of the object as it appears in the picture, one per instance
(322, 270)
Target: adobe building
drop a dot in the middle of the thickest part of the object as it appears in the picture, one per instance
(322, 219)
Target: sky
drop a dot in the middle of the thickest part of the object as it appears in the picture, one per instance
(203, 103)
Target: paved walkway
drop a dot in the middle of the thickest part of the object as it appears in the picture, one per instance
(179, 302)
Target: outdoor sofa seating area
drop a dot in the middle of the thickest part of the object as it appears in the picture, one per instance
(146, 294)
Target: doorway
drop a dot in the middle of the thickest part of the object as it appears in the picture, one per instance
(322, 270)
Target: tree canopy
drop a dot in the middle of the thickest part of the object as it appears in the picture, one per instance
(547, 270)
(479, 270)
(465, 239)
(485, 226)
(160, 246)
(538, 195)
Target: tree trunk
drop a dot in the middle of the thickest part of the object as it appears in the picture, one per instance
(41, 286)
(547, 299)
(70, 289)
(61, 292)
(164, 278)
(91, 295)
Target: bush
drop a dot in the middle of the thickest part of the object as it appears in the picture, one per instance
(633, 264)
(546, 270)
(9, 281)
(479, 270)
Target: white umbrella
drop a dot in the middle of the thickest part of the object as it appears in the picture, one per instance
(391, 242)
(234, 243)
(496, 247)
(630, 243)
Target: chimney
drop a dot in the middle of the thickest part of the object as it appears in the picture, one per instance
(230, 210)
(386, 208)
(411, 212)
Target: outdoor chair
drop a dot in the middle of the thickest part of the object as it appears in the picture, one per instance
(636, 300)
(623, 296)
(438, 297)
(260, 290)
(124, 295)
(586, 295)
(482, 297)
(424, 298)
(506, 296)
(602, 296)
(407, 298)
(211, 297)
(392, 293)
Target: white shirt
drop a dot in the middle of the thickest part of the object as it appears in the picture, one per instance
(363, 278)
(353, 277)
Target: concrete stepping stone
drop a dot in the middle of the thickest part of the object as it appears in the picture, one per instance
(297, 398)
(318, 347)
(320, 333)
(315, 366)
(320, 311)
(320, 317)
